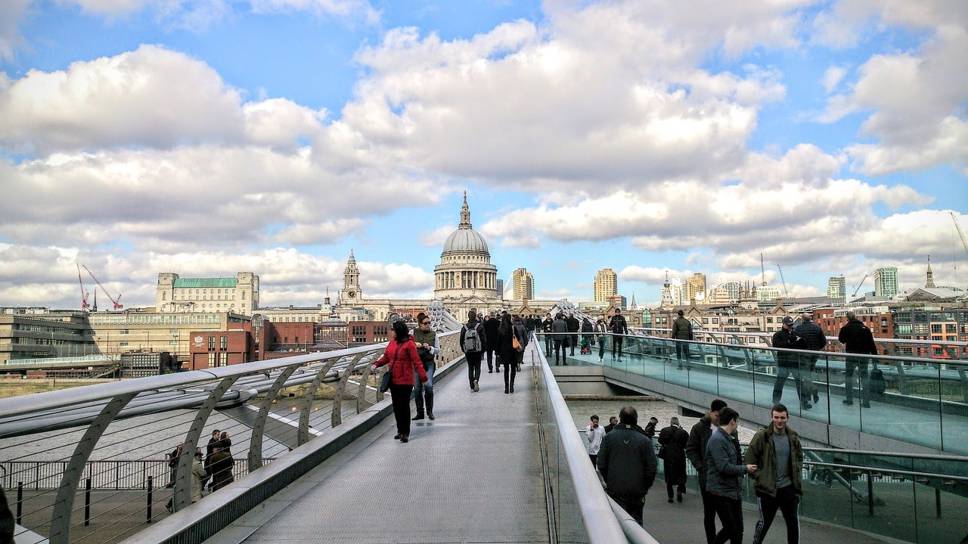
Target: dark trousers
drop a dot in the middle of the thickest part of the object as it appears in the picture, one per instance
(782, 372)
(594, 459)
(473, 367)
(860, 364)
(709, 516)
(682, 350)
(632, 505)
(730, 512)
(574, 342)
(510, 371)
(548, 345)
(400, 396)
(561, 346)
(601, 348)
(680, 487)
(490, 358)
(617, 346)
(788, 502)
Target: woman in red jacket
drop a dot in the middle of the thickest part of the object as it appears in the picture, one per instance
(401, 355)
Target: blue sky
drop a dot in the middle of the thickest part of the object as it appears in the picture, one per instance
(275, 135)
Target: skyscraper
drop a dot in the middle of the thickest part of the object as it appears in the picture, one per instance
(606, 284)
(695, 288)
(885, 281)
(837, 287)
(522, 284)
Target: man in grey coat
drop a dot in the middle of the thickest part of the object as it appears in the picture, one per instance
(724, 477)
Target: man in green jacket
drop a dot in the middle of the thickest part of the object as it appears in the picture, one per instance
(777, 453)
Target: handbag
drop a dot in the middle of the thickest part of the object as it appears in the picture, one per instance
(515, 343)
(385, 382)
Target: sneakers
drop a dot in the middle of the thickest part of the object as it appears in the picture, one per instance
(477, 387)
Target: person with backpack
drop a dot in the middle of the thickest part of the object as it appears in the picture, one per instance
(473, 338)
(401, 355)
(619, 327)
(428, 347)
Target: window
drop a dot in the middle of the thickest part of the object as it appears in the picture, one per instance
(211, 359)
(224, 343)
(211, 343)
(122, 344)
(123, 331)
(936, 327)
(223, 359)
(951, 328)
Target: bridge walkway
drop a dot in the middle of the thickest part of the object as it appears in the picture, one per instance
(473, 474)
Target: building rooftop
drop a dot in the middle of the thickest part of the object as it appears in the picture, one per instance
(205, 283)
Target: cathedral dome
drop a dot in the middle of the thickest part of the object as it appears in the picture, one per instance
(465, 240)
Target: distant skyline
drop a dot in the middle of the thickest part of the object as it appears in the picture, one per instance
(212, 136)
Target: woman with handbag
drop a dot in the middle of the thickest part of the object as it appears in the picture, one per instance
(506, 340)
(521, 336)
(401, 355)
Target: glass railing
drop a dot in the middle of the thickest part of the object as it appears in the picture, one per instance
(919, 401)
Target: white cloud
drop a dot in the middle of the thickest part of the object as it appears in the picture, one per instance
(332, 8)
(832, 77)
(843, 24)
(438, 236)
(11, 11)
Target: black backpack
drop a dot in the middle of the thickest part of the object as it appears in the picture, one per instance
(877, 383)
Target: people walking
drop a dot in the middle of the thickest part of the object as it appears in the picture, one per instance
(428, 347)
(776, 450)
(587, 338)
(814, 340)
(401, 355)
(627, 463)
(696, 451)
(681, 330)
(672, 447)
(859, 340)
(506, 352)
(490, 347)
(573, 327)
(594, 434)
(199, 476)
(221, 465)
(788, 363)
(473, 338)
(547, 327)
(724, 477)
(560, 330)
(601, 330)
(619, 328)
(523, 337)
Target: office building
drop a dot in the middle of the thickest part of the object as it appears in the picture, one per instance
(522, 284)
(885, 281)
(606, 284)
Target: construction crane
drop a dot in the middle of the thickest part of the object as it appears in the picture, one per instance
(860, 284)
(115, 301)
(84, 304)
(964, 242)
(785, 292)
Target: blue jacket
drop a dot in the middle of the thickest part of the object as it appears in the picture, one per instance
(724, 468)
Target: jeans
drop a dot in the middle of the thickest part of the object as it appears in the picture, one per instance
(730, 512)
(400, 395)
(788, 502)
(513, 370)
(682, 350)
(861, 365)
(574, 342)
(632, 505)
(781, 376)
(548, 345)
(473, 367)
(617, 346)
(423, 391)
(808, 364)
(601, 348)
(561, 346)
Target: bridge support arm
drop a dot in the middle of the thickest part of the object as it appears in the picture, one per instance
(258, 429)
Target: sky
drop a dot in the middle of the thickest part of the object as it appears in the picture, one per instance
(274, 136)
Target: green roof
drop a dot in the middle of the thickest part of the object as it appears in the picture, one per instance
(202, 283)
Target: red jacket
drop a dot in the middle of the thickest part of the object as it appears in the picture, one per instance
(405, 362)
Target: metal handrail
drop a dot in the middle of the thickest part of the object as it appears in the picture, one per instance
(764, 334)
(599, 520)
(879, 470)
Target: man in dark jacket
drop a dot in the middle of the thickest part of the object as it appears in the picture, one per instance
(573, 327)
(681, 330)
(857, 338)
(619, 327)
(673, 440)
(628, 464)
(560, 329)
(696, 451)
(490, 329)
(7, 525)
(777, 452)
(815, 340)
(546, 327)
(724, 477)
(473, 338)
(788, 363)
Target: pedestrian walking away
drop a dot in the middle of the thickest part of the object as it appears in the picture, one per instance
(490, 347)
(814, 340)
(428, 347)
(473, 338)
(547, 328)
(724, 477)
(401, 355)
(777, 453)
(788, 363)
(696, 452)
(560, 329)
(627, 463)
(857, 339)
(619, 328)
(573, 327)
(601, 330)
(594, 434)
(681, 330)
(506, 352)
(672, 451)
(522, 335)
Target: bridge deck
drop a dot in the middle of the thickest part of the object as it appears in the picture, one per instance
(471, 475)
